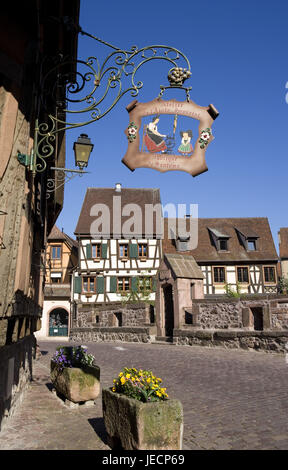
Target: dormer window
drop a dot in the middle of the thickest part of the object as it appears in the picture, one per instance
(251, 244)
(248, 239)
(182, 243)
(219, 239)
(223, 244)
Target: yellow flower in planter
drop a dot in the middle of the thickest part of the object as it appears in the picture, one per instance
(140, 384)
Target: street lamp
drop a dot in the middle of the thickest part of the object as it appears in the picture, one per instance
(82, 150)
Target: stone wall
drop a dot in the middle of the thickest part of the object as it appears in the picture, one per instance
(111, 315)
(269, 340)
(220, 314)
(99, 334)
(279, 312)
(226, 313)
(15, 374)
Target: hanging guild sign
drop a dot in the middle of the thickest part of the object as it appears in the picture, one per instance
(169, 135)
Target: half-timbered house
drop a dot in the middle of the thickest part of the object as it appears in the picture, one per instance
(60, 261)
(234, 254)
(119, 255)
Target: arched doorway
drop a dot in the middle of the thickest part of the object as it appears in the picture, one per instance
(58, 322)
(168, 309)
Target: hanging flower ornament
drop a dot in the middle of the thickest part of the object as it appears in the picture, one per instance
(132, 131)
(205, 136)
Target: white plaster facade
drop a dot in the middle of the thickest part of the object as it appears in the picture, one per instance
(114, 266)
(48, 307)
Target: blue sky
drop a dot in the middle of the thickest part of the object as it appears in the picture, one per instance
(238, 57)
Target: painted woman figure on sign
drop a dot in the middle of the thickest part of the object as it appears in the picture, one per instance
(186, 147)
(154, 141)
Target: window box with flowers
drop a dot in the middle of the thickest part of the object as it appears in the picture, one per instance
(139, 415)
(74, 374)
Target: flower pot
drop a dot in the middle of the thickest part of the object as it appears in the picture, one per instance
(77, 384)
(133, 425)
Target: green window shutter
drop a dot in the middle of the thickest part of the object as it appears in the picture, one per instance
(113, 284)
(133, 250)
(77, 285)
(154, 283)
(104, 250)
(100, 284)
(134, 284)
(89, 251)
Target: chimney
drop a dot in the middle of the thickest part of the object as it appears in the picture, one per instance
(118, 187)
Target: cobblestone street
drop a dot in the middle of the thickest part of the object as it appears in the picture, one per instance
(232, 399)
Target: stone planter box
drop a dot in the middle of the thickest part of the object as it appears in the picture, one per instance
(133, 425)
(77, 384)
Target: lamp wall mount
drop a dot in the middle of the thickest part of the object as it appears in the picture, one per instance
(63, 176)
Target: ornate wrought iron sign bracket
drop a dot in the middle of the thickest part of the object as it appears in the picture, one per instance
(91, 92)
(87, 90)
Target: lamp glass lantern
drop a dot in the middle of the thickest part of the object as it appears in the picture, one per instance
(82, 150)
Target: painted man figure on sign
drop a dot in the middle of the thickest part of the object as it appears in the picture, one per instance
(154, 141)
(186, 147)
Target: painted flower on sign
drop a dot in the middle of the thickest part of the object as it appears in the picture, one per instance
(132, 131)
(205, 137)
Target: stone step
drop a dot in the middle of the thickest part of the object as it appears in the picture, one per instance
(163, 339)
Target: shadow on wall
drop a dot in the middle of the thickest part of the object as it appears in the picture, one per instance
(16, 371)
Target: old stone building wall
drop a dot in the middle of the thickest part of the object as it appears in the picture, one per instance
(125, 334)
(130, 322)
(269, 341)
(113, 315)
(26, 37)
(230, 323)
(220, 315)
(230, 313)
(16, 372)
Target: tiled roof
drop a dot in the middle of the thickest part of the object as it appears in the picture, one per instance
(105, 196)
(58, 235)
(283, 242)
(183, 266)
(206, 250)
